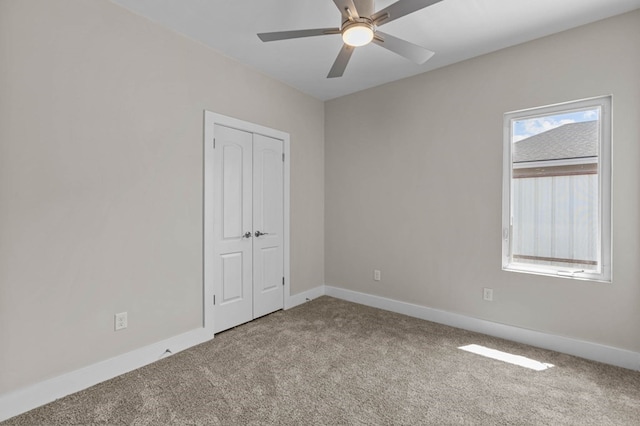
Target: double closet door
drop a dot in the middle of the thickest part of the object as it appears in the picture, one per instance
(248, 226)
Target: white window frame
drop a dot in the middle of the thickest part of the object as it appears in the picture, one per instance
(604, 274)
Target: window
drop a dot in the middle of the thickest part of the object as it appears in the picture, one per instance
(556, 207)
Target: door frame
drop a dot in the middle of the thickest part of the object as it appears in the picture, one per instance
(210, 120)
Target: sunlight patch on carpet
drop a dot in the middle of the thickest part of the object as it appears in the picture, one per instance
(507, 357)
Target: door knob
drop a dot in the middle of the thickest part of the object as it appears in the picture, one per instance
(258, 233)
(247, 235)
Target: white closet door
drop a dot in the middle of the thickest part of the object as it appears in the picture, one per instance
(268, 225)
(232, 228)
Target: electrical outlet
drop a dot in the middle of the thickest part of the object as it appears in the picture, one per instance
(376, 275)
(487, 294)
(121, 321)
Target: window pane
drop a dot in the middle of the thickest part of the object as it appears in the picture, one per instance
(555, 221)
(556, 198)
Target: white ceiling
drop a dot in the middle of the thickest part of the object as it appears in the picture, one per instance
(455, 29)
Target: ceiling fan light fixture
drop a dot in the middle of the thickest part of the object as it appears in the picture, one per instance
(357, 34)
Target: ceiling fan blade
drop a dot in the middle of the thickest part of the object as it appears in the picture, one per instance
(343, 5)
(413, 52)
(341, 61)
(285, 35)
(400, 9)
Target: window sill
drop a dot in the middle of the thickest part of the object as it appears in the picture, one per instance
(557, 273)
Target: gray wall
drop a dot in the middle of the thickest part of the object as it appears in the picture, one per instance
(101, 169)
(413, 184)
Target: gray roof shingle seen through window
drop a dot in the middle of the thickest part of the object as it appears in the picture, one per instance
(573, 140)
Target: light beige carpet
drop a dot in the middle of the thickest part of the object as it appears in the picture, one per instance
(337, 363)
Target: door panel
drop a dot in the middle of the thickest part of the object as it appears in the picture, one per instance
(232, 190)
(268, 218)
(232, 218)
(270, 258)
(231, 276)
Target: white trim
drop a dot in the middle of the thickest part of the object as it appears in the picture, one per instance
(593, 351)
(207, 227)
(25, 399)
(30, 397)
(287, 220)
(211, 118)
(305, 296)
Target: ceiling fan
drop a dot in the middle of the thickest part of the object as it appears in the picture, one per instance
(360, 27)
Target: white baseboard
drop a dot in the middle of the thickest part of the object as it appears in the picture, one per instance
(300, 298)
(593, 351)
(30, 397)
